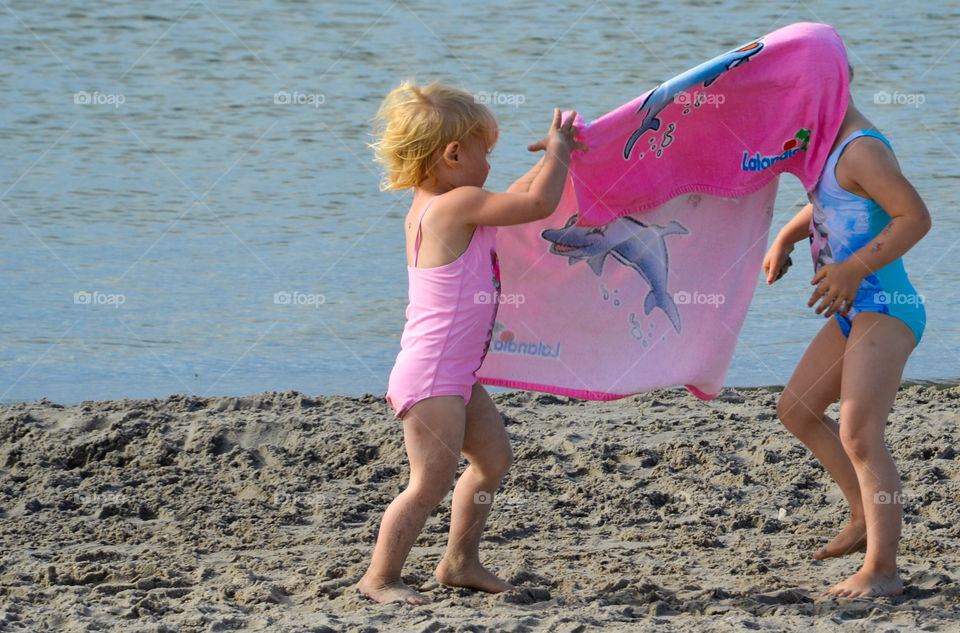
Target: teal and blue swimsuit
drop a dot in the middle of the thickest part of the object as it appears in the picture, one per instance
(842, 224)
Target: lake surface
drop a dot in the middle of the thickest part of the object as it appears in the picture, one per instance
(166, 169)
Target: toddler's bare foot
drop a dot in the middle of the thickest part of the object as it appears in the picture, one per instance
(472, 575)
(852, 538)
(866, 585)
(380, 590)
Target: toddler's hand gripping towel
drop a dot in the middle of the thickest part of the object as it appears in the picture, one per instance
(642, 277)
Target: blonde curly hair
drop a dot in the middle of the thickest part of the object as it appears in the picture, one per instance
(415, 123)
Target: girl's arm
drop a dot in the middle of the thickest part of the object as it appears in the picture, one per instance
(870, 166)
(476, 206)
(777, 260)
(798, 228)
(523, 183)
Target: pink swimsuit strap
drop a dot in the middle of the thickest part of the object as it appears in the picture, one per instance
(416, 242)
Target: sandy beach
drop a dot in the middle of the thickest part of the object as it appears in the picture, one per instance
(658, 512)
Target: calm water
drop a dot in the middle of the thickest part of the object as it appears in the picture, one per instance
(156, 191)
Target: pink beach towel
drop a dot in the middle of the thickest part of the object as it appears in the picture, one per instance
(642, 277)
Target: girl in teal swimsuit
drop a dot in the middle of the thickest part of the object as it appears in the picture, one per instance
(863, 216)
(842, 224)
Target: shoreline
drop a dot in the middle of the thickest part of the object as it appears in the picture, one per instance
(655, 512)
(935, 383)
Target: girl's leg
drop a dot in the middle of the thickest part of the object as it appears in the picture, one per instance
(433, 431)
(486, 446)
(872, 368)
(814, 385)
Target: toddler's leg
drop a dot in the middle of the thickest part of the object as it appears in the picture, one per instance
(433, 434)
(872, 367)
(815, 384)
(486, 446)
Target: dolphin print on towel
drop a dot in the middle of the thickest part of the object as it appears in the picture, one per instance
(630, 242)
(679, 193)
(666, 93)
(725, 127)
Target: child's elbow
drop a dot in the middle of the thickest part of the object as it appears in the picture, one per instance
(924, 223)
(541, 209)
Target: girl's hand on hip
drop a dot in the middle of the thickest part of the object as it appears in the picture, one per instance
(837, 285)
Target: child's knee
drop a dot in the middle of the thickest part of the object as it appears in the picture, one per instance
(503, 462)
(859, 445)
(431, 487)
(790, 408)
(495, 465)
(430, 491)
(797, 413)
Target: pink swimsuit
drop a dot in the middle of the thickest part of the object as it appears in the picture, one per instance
(450, 321)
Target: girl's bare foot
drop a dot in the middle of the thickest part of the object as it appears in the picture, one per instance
(380, 590)
(852, 538)
(472, 575)
(866, 585)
